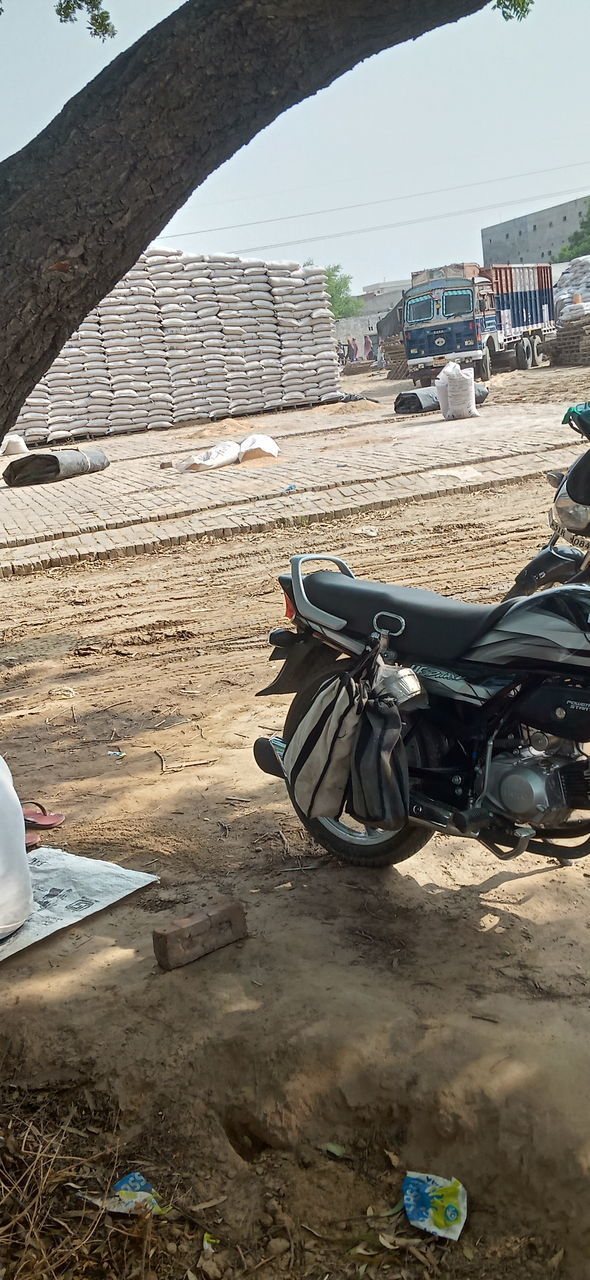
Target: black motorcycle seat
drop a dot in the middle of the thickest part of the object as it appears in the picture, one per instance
(436, 627)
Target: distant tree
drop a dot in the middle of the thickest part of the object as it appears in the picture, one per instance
(338, 283)
(579, 243)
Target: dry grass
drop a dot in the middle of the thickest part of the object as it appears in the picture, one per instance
(56, 1147)
(47, 1230)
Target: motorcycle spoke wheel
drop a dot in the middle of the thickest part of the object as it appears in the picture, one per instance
(345, 838)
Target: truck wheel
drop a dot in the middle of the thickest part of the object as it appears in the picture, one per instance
(524, 354)
(537, 351)
(425, 382)
(484, 366)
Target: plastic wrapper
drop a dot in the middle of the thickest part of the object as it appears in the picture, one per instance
(434, 1204)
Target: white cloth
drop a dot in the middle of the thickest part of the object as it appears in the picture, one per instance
(16, 897)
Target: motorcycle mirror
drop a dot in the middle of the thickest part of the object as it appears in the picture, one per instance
(555, 478)
(581, 428)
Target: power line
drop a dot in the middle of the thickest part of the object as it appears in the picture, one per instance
(301, 186)
(408, 222)
(345, 208)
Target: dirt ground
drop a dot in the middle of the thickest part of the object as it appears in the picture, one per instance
(529, 386)
(437, 1011)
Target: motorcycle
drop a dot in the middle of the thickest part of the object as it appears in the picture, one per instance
(569, 520)
(494, 702)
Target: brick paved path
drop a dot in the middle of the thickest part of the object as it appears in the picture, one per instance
(341, 460)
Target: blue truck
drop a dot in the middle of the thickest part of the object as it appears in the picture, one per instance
(475, 315)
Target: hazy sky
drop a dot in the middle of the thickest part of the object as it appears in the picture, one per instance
(496, 113)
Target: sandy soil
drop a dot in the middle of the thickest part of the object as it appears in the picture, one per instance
(438, 1010)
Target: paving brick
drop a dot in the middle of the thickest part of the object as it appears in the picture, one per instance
(187, 939)
(144, 509)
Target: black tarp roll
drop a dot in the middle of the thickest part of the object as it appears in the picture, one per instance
(46, 468)
(425, 399)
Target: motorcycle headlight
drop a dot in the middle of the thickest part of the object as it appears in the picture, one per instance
(574, 516)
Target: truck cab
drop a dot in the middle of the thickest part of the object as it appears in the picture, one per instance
(449, 319)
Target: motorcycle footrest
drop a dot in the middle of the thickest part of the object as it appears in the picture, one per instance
(268, 754)
(422, 809)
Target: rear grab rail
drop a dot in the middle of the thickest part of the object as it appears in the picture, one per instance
(304, 606)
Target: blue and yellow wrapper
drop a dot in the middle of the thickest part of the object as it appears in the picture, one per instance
(434, 1204)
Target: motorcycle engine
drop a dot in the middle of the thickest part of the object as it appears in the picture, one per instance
(539, 787)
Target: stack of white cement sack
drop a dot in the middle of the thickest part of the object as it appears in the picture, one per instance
(573, 283)
(190, 336)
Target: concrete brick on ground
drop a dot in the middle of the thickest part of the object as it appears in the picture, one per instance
(188, 939)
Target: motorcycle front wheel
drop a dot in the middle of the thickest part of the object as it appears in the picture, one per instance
(345, 838)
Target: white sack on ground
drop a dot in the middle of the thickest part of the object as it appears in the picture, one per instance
(442, 387)
(13, 445)
(219, 455)
(257, 446)
(461, 392)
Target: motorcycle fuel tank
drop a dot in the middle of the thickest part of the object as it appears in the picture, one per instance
(550, 629)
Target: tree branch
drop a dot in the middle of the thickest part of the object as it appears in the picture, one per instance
(99, 20)
(81, 201)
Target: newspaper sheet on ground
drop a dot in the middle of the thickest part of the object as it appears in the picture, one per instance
(67, 888)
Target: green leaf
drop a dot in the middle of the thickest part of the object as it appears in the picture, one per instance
(99, 19)
(333, 1149)
(518, 9)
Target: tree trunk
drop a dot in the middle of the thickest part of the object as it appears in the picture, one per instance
(84, 198)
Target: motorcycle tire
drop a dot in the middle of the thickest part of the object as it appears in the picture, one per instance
(358, 846)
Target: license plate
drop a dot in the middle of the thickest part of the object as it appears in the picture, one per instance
(574, 539)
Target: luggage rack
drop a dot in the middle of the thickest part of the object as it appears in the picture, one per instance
(387, 627)
(304, 606)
